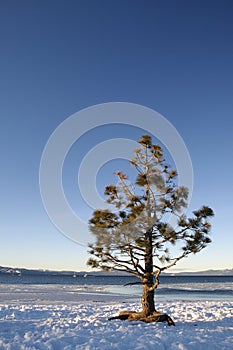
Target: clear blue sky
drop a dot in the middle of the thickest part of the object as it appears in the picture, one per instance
(58, 57)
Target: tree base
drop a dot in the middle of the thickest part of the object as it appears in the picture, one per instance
(140, 316)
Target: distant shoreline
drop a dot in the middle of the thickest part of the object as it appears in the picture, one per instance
(24, 271)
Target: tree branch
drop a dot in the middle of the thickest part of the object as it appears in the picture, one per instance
(175, 261)
(155, 285)
(132, 283)
(125, 268)
(122, 264)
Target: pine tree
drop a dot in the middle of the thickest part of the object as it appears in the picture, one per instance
(137, 237)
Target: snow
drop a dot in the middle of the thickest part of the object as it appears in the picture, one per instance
(82, 323)
(204, 325)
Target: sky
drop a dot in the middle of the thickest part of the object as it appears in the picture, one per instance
(60, 57)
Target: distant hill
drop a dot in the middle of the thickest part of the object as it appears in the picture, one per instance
(41, 272)
(226, 272)
(22, 271)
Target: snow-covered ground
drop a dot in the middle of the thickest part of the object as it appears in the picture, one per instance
(34, 317)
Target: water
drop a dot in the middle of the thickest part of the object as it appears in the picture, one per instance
(187, 288)
(171, 287)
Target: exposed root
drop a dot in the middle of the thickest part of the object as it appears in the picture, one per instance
(139, 316)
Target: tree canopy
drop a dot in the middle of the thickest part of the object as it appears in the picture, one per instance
(139, 225)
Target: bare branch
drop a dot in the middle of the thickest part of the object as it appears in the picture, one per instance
(156, 284)
(119, 267)
(132, 283)
(175, 261)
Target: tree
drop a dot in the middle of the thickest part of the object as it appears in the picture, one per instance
(137, 237)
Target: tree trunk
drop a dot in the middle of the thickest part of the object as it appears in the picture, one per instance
(148, 306)
(148, 313)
